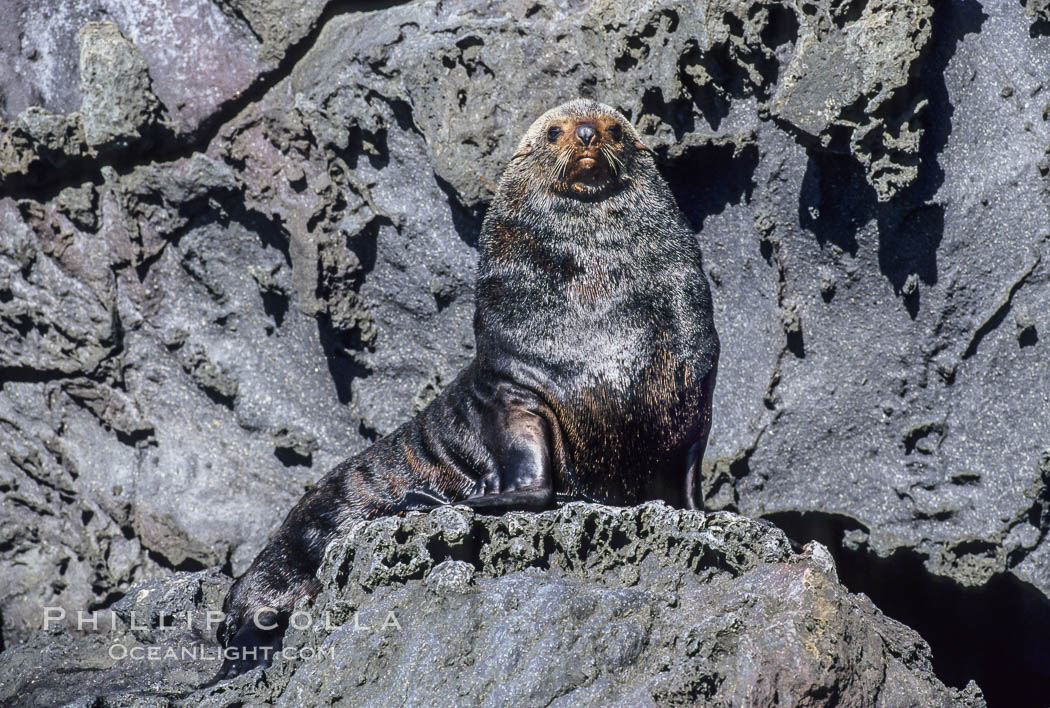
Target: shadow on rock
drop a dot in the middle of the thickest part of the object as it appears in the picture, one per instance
(707, 178)
(997, 634)
(836, 200)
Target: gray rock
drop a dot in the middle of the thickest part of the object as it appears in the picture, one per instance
(140, 79)
(118, 104)
(187, 342)
(156, 643)
(153, 609)
(849, 78)
(80, 205)
(201, 54)
(119, 114)
(37, 332)
(587, 605)
(38, 141)
(279, 25)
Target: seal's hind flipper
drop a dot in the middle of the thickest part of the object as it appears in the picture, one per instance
(253, 645)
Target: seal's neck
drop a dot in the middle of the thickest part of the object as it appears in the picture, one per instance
(634, 220)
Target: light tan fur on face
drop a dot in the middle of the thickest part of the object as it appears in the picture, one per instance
(569, 165)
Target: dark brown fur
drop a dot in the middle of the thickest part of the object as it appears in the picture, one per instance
(596, 358)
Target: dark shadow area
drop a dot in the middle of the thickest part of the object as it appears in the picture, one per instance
(143, 267)
(275, 304)
(186, 565)
(23, 374)
(365, 245)
(677, 113)
(375, 145)
(997, 634)
(711, 103)
(216, 396)
(728, 68)
(466, 220)
(270, 231)
(849, 205)
(336, 343)
(363, 143)
(952, 21)
(135, 437)
(339, 344)
(1040, 27)
(1029, 337)
(795, 344)
(851, 11)
(367, 432)
(781, 29)
(708, 177)
(910, 235)
(908, 247)
(106, 602)
(290, 458)
(925, 438)
(836, 201)
(467, 550)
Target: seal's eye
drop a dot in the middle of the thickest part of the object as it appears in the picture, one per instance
(616, 133)
(553, 133)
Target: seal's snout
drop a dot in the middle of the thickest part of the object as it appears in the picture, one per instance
(585, 132)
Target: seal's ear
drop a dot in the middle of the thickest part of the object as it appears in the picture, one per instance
(526, 150)
(639, 145)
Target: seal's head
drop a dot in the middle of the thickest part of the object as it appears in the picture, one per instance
(582, 149)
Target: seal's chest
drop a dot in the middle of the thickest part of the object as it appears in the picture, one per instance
(625, 433)
(643, 411)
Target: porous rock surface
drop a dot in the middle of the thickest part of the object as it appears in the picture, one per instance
(587, 605)
(245, 247)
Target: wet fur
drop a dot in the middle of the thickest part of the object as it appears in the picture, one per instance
(596, 359)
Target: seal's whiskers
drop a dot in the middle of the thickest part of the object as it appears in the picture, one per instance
(615, 164)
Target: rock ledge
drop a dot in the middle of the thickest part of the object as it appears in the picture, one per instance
(585, 605)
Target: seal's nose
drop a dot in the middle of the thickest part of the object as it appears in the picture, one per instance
(585, 132)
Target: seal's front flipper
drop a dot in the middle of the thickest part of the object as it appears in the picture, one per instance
(524, 499)
(519, 440)
(420, 500)
(566, 498)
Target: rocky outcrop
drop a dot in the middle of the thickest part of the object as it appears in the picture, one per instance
(118, 115)
(259, 263)
(1038, 8)
(202, 55)
(588, 605)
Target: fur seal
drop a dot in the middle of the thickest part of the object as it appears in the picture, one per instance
(595, 366)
